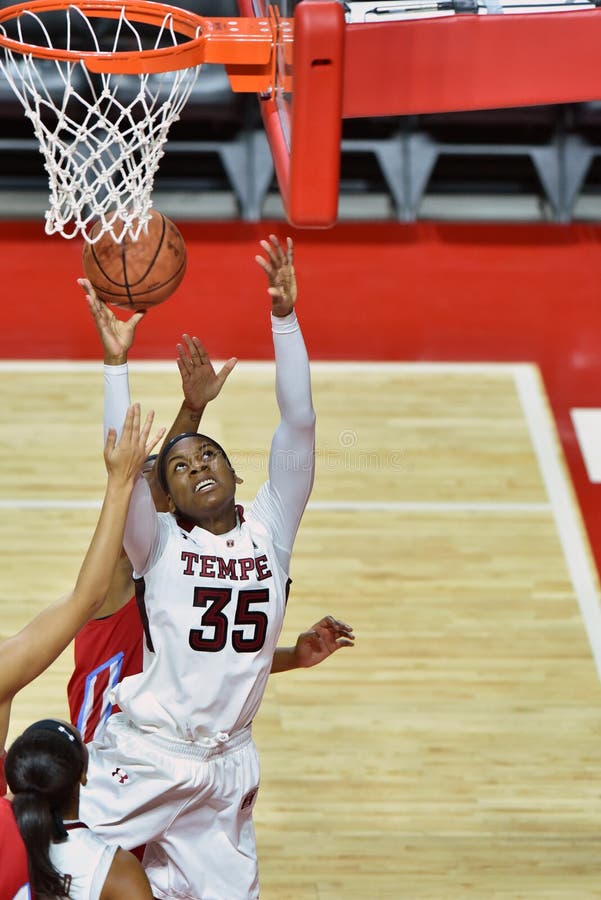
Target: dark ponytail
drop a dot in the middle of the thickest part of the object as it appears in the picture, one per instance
(43, 767)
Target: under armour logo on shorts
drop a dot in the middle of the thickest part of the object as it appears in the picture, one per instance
(248, 800)
(120, 774)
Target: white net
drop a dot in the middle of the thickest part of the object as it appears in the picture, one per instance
(102, 135)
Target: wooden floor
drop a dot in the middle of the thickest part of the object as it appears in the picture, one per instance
(456, 750)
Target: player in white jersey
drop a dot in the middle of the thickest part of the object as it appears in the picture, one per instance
(45, 767)
(177, 768)
(109, 647)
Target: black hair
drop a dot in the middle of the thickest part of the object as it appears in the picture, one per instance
(161, 464)
(43, 767)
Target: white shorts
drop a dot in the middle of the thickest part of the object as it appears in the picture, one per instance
(190, 804)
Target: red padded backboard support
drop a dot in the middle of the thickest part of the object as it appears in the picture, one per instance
(471, 62)
(308, 168)
(461, 62)
(316, 114)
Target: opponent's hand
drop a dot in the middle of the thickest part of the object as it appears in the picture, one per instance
(117, 336)
(124, 458)
(279, 267)
(200, 382)
(323, 639)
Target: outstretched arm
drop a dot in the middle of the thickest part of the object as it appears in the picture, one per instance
(141, 533)
(117, 337)
(200, 382)
(313, 646)
(292, 456)
(25, 655)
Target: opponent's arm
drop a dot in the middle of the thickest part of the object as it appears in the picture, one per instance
(292, 456)
(200, 383)
(25, 655)
(313, 646)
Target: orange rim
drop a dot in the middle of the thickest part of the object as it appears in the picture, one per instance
(148, 12)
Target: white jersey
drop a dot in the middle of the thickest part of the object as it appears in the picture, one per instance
(85, 859)
(212, 607)
(214, 603)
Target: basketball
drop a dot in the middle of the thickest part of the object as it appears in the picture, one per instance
(137, 274)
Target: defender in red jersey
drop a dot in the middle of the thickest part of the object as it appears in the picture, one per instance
(107, 650)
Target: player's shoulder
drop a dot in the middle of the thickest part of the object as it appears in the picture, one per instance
(168, 531)
(82, 836)
(267, 508)
(84, 853)
(83, 845)
(126, 878)
(257, 528)
(175, 526)
(167, 520)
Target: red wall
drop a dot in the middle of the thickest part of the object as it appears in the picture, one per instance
(367, 291)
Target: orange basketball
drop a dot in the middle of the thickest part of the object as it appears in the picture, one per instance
(137, 274)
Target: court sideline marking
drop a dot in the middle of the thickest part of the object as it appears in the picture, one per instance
(570, 529)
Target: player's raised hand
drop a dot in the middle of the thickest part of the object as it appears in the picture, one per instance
(117, 335)
(320, 641)
(279, 267)
(200, 382)
(125, 457)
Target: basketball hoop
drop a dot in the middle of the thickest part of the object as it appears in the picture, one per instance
(121, 72)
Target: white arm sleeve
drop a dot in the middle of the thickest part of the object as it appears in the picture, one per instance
(281, 502)
(116, 397)
(141, 537)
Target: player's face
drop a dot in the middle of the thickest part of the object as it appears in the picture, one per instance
(200, 480)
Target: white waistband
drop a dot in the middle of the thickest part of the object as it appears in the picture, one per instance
(203, 747)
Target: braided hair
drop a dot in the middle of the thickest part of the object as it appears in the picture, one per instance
(43, 768)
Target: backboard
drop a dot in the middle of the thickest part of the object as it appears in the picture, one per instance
(407, 57)
(303, 113)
